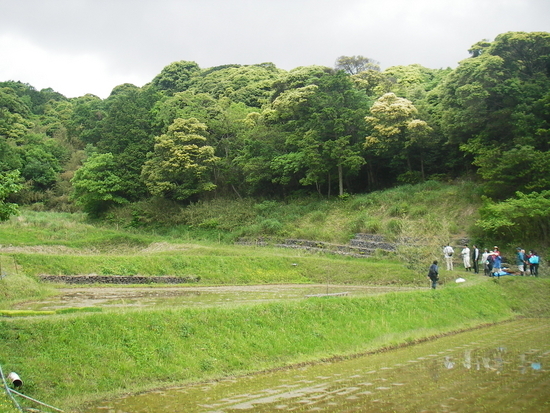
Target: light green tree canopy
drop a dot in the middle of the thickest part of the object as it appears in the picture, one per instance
(180, 164)
(396, 130)
(176, 77)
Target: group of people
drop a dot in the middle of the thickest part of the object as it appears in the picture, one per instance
(527, 261)
(490, 260)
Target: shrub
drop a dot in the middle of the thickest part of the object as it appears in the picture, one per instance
(271, 226)
(394, 227)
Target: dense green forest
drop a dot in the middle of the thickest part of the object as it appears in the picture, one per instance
(256, 131)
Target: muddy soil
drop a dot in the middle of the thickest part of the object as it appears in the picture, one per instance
(121, 296)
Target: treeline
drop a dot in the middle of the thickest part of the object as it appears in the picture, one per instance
(257, 131)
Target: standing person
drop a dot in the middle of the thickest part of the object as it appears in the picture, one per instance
(520, 260)
(448, 252)
(497, 260)
(466, 257)
(475, 258)
(485, 259)
(526, 266)
(534, 261)
(527, 263)
(433, 274)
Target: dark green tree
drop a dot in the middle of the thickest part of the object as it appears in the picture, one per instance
(324, 111)
(127, 133)
(497, 102)
(9, 184)
(353, 65)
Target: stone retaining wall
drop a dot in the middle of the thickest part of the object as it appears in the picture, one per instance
(363, 245)
(116, 279)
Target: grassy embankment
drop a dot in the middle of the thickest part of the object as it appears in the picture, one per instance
(68, 359)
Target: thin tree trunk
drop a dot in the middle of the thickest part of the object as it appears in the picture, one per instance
(237, 192)
(340, 181)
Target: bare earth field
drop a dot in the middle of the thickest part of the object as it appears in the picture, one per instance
(123, 296)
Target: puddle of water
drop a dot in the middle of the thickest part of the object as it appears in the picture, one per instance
(191, 296)
(503, 368)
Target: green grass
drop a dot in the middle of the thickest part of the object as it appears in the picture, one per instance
(6, 405)
(68, 359)
(32, 313)
(234, 266)
(73, 356)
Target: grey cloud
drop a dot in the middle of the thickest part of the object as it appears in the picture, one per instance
(144, 36)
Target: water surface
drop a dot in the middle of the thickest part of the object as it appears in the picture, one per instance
(504, 368)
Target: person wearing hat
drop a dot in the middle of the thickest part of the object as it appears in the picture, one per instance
(520, 260)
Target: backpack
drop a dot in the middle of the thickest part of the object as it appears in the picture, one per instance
(534, 259)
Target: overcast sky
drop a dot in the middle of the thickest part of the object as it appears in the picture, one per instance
(91, 46)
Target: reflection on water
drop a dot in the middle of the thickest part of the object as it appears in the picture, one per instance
(504, 368)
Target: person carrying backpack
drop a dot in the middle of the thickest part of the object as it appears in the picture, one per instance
(534, 263)
(433, 274)
(448, 252)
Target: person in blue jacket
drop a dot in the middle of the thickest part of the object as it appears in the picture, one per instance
(433, 274)
(534, 263)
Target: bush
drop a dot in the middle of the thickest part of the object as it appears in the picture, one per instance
(519, 219)
(394, 227)
(271, 226)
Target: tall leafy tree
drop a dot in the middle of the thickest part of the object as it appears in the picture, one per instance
(84, 122)
(353, 65)
(176, 77)
(397, 132)
(181, 163)
(14, 115)
(127, 133)
(496, 102)
(250, 84)
(9, 184)
(97, 185)
(261, 142)
(325, 111)
(225, 121)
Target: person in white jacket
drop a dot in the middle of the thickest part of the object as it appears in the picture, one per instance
(448, 252)
(466, 257)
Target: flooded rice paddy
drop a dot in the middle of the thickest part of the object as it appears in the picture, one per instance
(503, 368)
